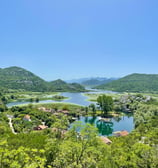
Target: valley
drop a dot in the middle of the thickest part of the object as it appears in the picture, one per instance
(91, 124)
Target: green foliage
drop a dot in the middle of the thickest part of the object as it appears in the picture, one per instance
(19, 78)
(133, 83)
(93, 108)
(144, 113)
(37, 117)
(35, 140)
(4, 127)
(105, 103)
(130, 102)
(65, 107)
(21, 158)
(62, 148)
(80, 150)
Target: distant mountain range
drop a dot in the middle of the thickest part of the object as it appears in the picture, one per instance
(133, 83)
(92, 81)
(95, 82)
(19, 78)
(79, 80)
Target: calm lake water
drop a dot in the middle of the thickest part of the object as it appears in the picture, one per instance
(107, 129)
(75, 98)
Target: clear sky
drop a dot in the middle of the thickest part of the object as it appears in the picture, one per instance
(79, 38)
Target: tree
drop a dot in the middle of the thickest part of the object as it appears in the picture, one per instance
(4, 100)
(65, 107)
(93, 108)
(105, 103)
(2, 107)
(86, 110)
(37, 100)
(78, 150)
(31, 100)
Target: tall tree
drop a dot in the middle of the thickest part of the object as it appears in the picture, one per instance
(105, 103)
(93, 108)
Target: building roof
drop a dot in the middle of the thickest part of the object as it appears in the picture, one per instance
(27, 117)
(65, 111)
(124, 133)
(42, 127)
(106, 140)
(121, 133)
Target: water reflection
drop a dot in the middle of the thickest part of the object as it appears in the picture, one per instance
(106, 128)
(90, 120)
(117, 118)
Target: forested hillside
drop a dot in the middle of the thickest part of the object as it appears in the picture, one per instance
(61, 86)
(133, 83)
(19, 78)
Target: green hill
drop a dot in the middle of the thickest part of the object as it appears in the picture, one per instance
(133, 83)
(62, 86)
(19, 78)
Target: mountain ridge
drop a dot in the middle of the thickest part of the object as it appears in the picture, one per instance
(19, 78)
(95, 82)
(133, 83)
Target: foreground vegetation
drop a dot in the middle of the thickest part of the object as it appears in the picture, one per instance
(57, 147)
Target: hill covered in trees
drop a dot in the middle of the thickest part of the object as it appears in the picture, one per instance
(62, 86)
(19, 78)
(133, 83)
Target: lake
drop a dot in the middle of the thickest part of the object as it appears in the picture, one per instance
(107, 129)
(75, 98)
(117, 123)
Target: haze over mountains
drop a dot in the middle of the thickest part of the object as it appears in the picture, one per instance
(92, 81)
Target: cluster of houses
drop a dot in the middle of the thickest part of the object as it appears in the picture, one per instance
(53, 111)
(39, 127)
(127, 100)
(44, 109)
(27, 118)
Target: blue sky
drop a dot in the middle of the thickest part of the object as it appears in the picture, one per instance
(79, 38)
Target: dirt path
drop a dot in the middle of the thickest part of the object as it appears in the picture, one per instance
(10, 123)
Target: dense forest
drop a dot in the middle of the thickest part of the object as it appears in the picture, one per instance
(19, 78)
(133, 83)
